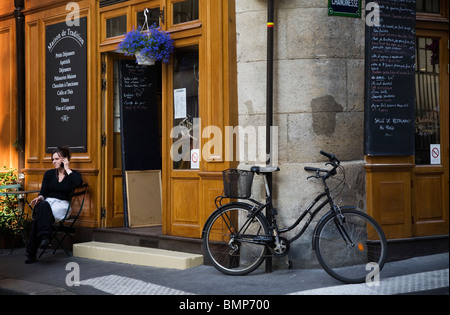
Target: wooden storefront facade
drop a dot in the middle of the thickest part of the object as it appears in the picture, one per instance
(204, 34)
(407, 196)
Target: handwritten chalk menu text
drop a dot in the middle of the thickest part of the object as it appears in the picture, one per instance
(138, 92)
(389, 80)
(66, 86)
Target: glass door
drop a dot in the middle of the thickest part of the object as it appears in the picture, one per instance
(430, 200)
(186, 108)
(428, 108)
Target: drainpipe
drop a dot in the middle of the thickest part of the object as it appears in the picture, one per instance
(269, 111)
(20, 64)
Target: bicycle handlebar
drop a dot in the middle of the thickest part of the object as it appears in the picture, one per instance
(330, 156)
(333, 161)
(315, 169)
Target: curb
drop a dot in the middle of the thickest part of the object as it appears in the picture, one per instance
(11, 286)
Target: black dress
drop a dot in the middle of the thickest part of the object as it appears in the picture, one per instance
(43, 218)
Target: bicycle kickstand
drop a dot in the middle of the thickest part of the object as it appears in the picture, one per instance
(288, 262)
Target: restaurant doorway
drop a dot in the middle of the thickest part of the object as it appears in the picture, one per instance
(430, 201)
(131, 129)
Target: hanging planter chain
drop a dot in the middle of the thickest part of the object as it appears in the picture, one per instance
(143, 60)
(152, 42)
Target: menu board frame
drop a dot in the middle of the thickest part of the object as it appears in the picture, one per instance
(390, 80)
(138, 93)
(66, 86)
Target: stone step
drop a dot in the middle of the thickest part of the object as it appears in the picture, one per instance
(135, 255)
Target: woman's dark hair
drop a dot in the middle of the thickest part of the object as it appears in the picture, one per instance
(63, 151)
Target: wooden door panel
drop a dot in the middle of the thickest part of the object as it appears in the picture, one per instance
(212, 187)
(185, 214)
(394, 197)
(392, 206)
(430, 215)
(429, 205)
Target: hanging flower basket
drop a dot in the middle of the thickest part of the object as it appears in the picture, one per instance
(153, 43)
(143, 60)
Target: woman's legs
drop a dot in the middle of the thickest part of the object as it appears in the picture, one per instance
(41, 229)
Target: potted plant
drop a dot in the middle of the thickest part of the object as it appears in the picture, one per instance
(148, 46)
(8, 206)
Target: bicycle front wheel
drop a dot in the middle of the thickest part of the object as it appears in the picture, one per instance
(234, 239)
(352, 247)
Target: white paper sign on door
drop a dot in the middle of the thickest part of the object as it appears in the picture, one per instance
(435, 154)
(179, 103)
(195, 159)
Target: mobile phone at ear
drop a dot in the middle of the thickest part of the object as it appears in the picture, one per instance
(62, 164)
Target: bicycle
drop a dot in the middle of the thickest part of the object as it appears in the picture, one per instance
(349, 244)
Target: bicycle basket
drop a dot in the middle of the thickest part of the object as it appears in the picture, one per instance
(237, 184)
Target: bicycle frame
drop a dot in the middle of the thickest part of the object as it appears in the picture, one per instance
(303, 215)
(309, 210)
(273, 227)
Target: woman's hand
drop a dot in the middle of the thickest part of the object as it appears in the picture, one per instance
(67, 165)
(36, 200)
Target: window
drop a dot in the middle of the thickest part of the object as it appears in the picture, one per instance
(116, 26)
(152, 17)
(427, 130)
(185, 11)
(428, 6)
(185, 106)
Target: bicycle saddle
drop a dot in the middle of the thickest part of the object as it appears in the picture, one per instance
(266, 169)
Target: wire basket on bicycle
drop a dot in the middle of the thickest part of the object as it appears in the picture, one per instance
(237, 184)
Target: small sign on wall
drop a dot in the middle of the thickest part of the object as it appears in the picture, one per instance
(195, 159)
(350, 8)
(435, 154)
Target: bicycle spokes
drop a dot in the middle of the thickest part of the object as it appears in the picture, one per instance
(231, 240)
(345, 247)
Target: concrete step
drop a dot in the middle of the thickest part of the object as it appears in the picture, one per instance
(147, 237)
(135, 255)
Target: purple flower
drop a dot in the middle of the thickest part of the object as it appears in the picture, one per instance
(154, 44)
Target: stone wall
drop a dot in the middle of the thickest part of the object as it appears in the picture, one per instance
(318, 99)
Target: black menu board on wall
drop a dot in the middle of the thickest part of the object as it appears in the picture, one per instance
(66, 86)
(390, 80)
(139, 117)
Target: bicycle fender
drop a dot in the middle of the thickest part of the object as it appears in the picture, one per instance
(326, 216)
(241, 204)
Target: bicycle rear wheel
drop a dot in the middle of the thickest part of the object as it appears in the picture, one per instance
(351, 249)
(234, 239)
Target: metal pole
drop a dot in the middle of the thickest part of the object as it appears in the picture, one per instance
(269, 111)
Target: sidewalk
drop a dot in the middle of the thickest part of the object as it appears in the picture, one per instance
(57, 274)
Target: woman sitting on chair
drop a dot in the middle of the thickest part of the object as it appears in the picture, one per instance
(52, 202)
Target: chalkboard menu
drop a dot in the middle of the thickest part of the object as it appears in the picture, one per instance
(139, 117)
(389, 80)
(66, 86)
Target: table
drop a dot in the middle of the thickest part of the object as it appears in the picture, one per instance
(22, 196)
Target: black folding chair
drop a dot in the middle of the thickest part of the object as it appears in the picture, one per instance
(65, 228)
